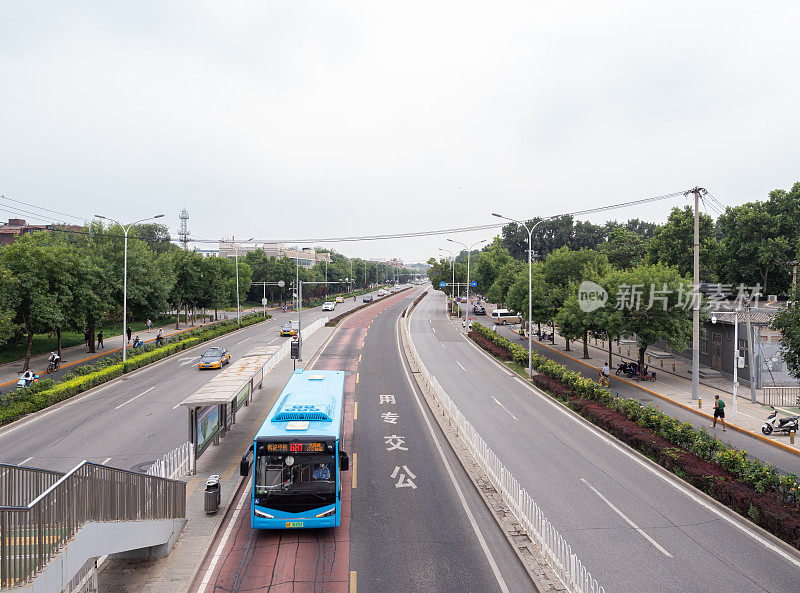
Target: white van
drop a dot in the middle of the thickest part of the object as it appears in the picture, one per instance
(504, 316)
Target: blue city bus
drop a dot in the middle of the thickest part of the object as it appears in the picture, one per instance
(297, 458)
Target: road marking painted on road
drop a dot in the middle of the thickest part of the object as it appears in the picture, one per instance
(187, 358)
(481, 540)
(188, 362)
(359, 358)
(353, 583)
(243, 341)
(356, 377)
(105, 461)
(24, 461)
(666, 477)
(462, 367)
(218, 552)
(627, 520)
(443, 346)
(355, 469)
(178, 405)
(505, 408)
(433, 329)
(272, 340)
(355, 411)
(133, 398)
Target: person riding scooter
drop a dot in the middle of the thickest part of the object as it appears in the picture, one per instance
(27, 379)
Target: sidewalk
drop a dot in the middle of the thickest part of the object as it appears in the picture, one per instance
(10, 371)
(675, 387)
(176, 573)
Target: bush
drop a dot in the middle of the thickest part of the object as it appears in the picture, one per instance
(761, 477)
(46, 392)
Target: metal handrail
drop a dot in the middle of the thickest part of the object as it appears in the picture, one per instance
(570, 570)
(33, 533)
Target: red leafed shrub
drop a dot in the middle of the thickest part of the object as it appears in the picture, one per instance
(557, 388)
(490, 346)
(763, 508)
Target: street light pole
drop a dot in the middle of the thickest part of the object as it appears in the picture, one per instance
(735, 356)
(469, 249)
(125, 230)
(453, 269)
(236, 255)
(530, 283)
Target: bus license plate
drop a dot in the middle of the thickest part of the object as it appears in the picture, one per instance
(290, 524)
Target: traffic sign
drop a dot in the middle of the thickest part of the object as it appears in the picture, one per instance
(474, 283)
(264, 302)
(442, 284)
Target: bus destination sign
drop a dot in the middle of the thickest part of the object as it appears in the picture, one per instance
(295, 447)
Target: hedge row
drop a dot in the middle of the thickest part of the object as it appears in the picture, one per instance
(46, 393)
(334, 321)
(762, 477)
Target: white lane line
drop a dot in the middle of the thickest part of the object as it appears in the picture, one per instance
(666, 477)
(188, 362)
(178, 405)
(133, 398)
(627, 520)
(106, 460)
(443, 346)
(497, 401)
(24, 461)
(462, 367)
(187, 358)
(467, 511)
(272, 340)
(218, 552)
(243, 341)
(433, 329)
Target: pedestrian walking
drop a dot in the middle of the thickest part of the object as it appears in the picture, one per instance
(149, 325)
(494, 327)
(719, 412)
(130, 332)
(100, 339)
(86, 338)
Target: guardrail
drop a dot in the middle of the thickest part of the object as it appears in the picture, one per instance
(33, 533)
(781, 396)
(177, 463)
(557, 551)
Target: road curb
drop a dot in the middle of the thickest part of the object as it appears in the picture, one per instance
(777, 444)
(741, 521)
(75, 398)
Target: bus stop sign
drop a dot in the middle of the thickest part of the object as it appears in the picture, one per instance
(474, 283)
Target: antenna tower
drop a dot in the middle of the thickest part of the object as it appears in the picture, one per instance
(183, 231)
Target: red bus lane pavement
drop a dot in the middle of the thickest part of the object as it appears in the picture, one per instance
(298, 561)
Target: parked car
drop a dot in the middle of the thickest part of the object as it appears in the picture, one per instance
(290, 328)
(367, 298)
(328, 306)
(479, 310)
(214, 358)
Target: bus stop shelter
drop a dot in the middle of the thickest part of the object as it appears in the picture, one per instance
(212, 408)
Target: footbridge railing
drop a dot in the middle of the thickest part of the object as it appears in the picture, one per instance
(41, 511)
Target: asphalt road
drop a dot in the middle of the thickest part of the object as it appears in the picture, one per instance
(781, 459)
(417, 521)
(131, 422)
(634, 527)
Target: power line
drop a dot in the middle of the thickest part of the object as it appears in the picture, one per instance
(483, 227)
(41, 208)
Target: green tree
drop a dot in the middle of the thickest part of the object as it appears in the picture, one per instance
(506, 277)
(673, 243)
(624, 248)
(787, 321)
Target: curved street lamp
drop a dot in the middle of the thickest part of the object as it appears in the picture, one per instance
(125, 230)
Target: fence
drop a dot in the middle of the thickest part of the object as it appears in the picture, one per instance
(32, 533)
(311, 329)
(556, 550)
(175, 464)
(781, 396)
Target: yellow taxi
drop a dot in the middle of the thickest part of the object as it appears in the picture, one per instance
(289, 328)
(214, 358)
(340, 299)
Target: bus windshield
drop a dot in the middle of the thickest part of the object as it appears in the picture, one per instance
(294, 482)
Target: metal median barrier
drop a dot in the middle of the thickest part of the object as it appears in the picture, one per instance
(557, 551)
(40, 511)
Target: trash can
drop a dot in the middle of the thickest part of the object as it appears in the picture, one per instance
(213, 494)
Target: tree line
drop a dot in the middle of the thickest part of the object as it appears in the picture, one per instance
(747, 245)
(68, 280)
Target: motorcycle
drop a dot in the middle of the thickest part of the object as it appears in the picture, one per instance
(774, 424)
(26, 380)
(627, 368)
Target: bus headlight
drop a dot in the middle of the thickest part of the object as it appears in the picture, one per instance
(262, 515)
(327, 513)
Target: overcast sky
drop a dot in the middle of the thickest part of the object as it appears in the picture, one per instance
(300, 119)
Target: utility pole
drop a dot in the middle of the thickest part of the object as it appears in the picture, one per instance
(698, 192)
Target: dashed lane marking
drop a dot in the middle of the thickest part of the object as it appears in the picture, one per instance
(353, 581)
(356, 378)
(638, 529)
(24, 461)
(497, 401)
(462, 367)
(137, 397)
(355, 411)
(355, 469)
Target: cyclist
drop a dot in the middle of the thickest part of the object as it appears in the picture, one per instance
(604, 374)
(54, 361)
